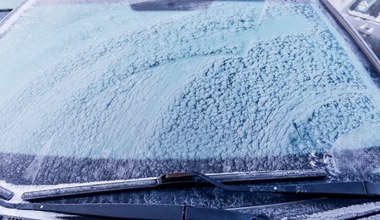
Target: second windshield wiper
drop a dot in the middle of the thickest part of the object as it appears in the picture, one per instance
(175, 179)
(125, 211)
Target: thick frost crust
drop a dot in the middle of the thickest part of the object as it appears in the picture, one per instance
(211, 84)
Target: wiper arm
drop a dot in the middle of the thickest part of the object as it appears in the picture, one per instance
(125, 211)
(174, 179)
(358, 188)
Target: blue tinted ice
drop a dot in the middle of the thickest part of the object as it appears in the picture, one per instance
(10, 4)
(104, 81)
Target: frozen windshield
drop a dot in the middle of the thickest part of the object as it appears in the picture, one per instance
(10, 4)
(99, 90)
(3, 14)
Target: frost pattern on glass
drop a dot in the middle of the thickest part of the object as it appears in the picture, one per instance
(193, 85)
(250, 104)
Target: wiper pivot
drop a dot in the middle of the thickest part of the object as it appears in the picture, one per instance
(198, 177)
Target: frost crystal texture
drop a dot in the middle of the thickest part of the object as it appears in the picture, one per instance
(109, 82)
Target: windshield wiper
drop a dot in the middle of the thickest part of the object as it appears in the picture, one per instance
(125, 211)
(175, 179)
(324, 189)
(358, 188)
(355, 188)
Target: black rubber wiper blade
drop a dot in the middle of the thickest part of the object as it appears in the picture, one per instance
(126, 211)
(172, 179)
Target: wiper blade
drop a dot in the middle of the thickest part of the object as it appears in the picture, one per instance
(358, 188)
(174, 179)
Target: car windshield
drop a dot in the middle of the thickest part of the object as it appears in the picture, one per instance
(116, 89)
(10, 4)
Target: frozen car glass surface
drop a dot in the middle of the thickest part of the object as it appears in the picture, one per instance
(238, 79)
(10, 4)
(3, 14)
